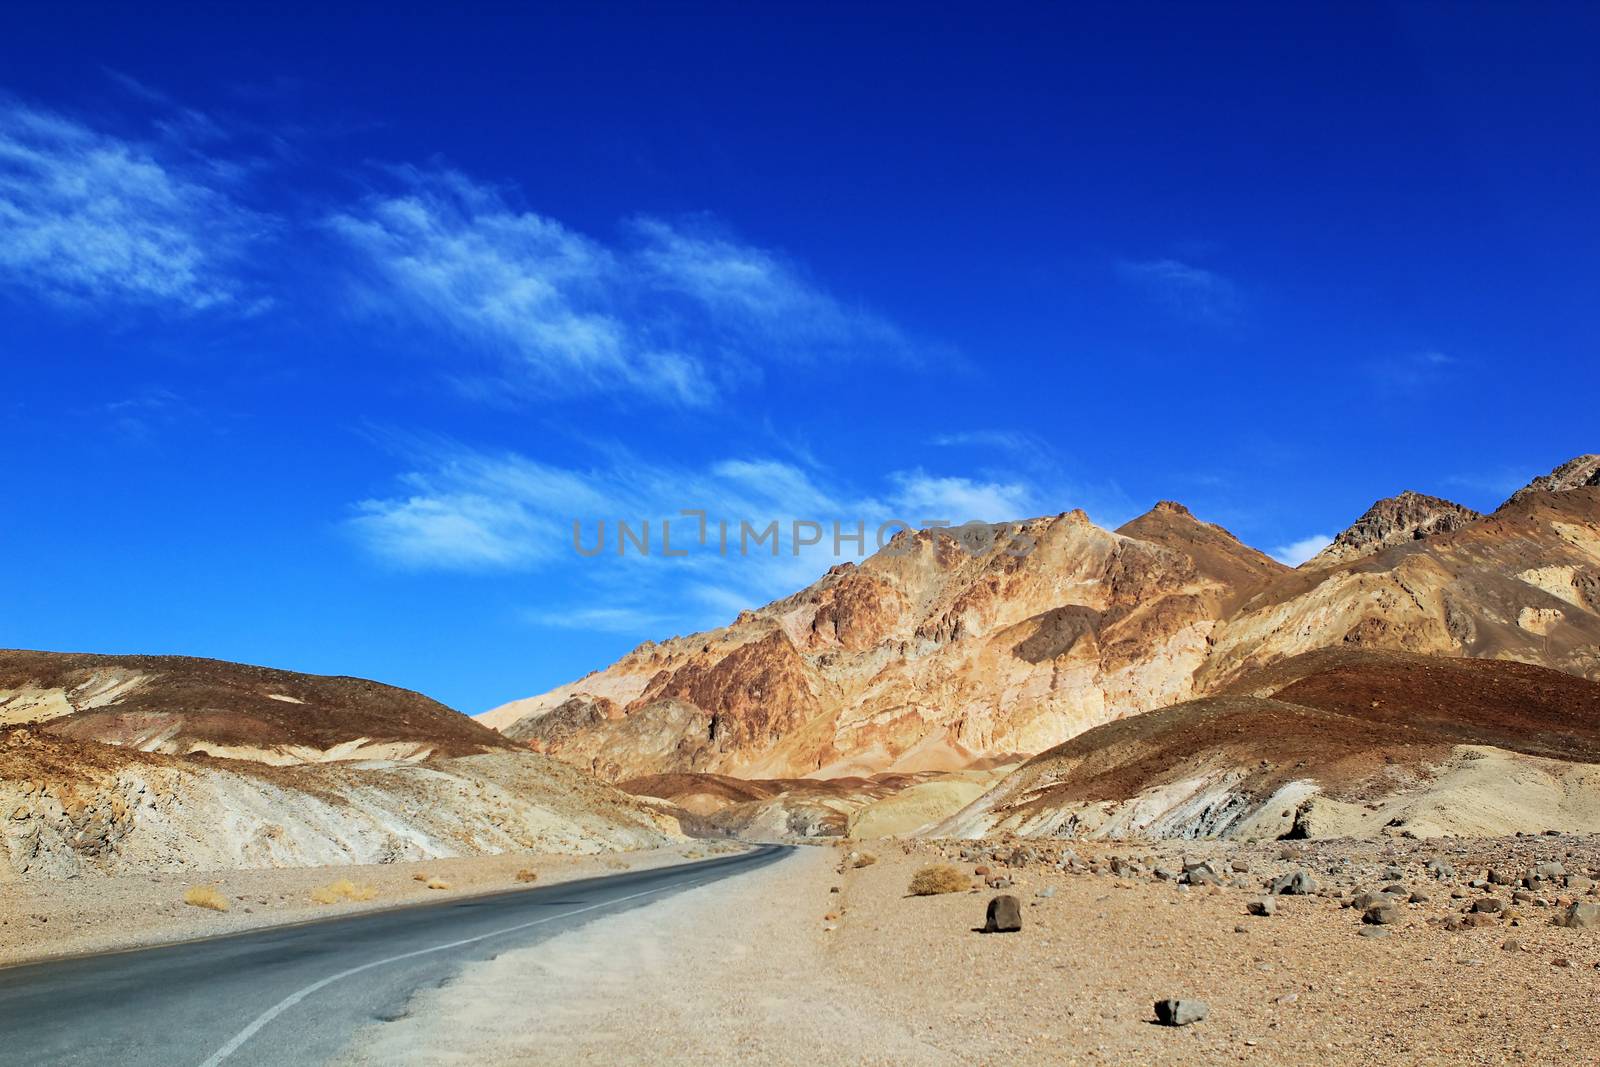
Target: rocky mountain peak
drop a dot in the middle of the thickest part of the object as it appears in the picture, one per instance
(1574, 474)
(1410, 516)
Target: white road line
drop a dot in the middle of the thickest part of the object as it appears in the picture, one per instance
(296, 997)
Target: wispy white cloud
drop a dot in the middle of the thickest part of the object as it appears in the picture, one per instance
(674, 311)
(1185, 290)
(602, 620)
(463, 509)
(89, 217)
(1411, 371)
(1297, 552)
(1002, 440)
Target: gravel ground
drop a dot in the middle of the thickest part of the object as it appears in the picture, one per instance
(754, 970)
(41, 918)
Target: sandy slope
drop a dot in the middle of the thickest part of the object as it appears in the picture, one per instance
(79, 807)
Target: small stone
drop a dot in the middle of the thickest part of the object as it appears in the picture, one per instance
(1374, 931)
(1005, 915)
(1488, 905)
(1297, 884)
(1263, 907)
(1559, 962)
(1418, 898)
(1177, 1012)
(1547, 872)
(1047, 892)
(1511, 945)
(1441, 870)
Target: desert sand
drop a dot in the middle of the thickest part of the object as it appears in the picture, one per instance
(775, 968)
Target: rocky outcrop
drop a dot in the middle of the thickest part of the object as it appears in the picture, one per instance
(1394, 521)
(1577, 473)
(930, 655)
(71, 807)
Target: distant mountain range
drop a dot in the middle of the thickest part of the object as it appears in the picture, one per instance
(933, 658)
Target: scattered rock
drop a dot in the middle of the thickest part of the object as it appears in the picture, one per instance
(1384, 914)
(1488, 905)
(1263, 907)
(1374, 931)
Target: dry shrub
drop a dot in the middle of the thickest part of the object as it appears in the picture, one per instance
(864, 859)
(205, 896)
(438, 883)
(343, 889)
(526, 875)
(938, 878)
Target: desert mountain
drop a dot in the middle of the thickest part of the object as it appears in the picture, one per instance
(932, 654)
(1394, 521)
(878, 806)
(180, 705)
(1521, 584)
(1331, 743)
(939, 654)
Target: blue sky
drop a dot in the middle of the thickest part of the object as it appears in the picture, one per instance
(318, 330)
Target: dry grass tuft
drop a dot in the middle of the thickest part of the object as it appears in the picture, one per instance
(343, 889)
(438, 883)
(938, 878)
(525, 875)
(205, 896)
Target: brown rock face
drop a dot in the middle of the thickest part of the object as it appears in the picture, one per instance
(931, 655)
(1395, 521)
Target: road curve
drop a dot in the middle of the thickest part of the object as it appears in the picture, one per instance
(296, 994)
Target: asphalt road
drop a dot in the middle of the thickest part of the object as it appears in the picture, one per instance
(296, 994)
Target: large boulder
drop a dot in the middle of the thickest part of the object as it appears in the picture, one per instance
(1005, 915)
